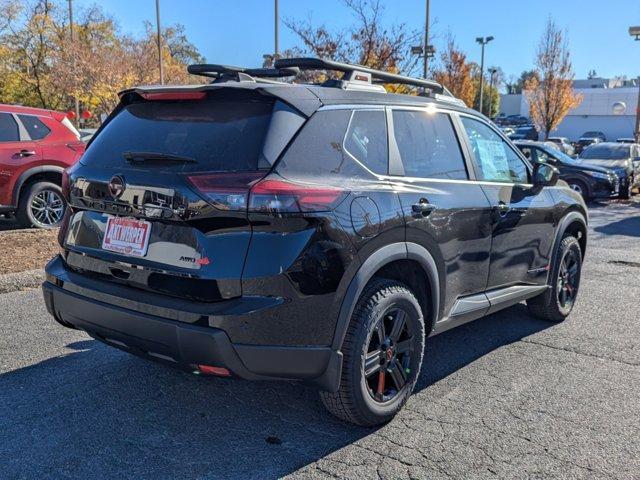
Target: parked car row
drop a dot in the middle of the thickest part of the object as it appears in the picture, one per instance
(602, 170)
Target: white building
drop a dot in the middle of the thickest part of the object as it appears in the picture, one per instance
(604, 107)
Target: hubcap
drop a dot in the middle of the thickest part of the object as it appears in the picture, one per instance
(387, 363)
(47, 208)
(568, 280)
(577, 188)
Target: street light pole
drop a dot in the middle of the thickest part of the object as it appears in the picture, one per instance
(160, 66)
(482, 41)
(426, 41)
(635, 33)
(276, 20)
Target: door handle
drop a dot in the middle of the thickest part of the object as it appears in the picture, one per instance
(26, 153)
(423, 208)
(502, 208)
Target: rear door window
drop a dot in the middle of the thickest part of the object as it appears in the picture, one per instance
(224, 132)
(366, 140)
(428, 145)
(319, 150)
(8, 128)
(34, 126)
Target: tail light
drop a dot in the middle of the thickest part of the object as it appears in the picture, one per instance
(244, 191)
(226, 191)
(278, 196)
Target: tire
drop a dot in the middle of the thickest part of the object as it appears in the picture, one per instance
(549, 305)
(580, 187)
(41, 195)
(381, 303)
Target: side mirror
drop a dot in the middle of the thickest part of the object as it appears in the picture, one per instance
(545, 175)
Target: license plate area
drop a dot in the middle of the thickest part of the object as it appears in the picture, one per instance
(128, 236)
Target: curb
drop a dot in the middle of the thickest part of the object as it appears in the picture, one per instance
(12, 282)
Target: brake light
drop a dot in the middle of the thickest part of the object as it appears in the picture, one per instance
(226, 191)
(173, 95)
(280, 196)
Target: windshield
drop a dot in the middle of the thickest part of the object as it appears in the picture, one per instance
(220, 134)
(591, 134)
(524, 130)
(561, 156)
(606, 152)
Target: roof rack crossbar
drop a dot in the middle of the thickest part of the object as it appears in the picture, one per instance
(230, 72)
(358, 73)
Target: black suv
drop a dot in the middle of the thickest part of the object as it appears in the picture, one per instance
(321, 233)
(590, 181)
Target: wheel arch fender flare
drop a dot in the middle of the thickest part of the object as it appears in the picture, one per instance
(574, 216)
(377, 260)
(27, 174)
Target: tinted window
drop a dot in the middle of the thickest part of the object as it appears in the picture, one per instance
(428, 145)
(8, 128)
(606, 152)
(35, 128)
(366, 140)
(495, 160)
(317, 150)
(224, 132)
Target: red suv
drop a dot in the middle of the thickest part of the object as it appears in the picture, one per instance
(36, 145)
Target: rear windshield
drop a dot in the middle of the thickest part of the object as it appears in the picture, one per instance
(224, 132)
(606, 152)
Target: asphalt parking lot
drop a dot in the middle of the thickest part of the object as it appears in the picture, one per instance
(507, 396)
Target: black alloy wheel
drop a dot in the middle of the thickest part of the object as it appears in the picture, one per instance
(568, 279)
(382, 352)
(387, 363)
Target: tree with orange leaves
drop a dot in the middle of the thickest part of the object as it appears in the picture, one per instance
(550, 94)
(455, 73)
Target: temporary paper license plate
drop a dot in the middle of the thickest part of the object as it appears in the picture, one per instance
(129, 236)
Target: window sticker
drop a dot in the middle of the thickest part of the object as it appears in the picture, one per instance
(493, 159)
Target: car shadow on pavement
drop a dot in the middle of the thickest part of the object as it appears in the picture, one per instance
(97, 412)
(628, 226)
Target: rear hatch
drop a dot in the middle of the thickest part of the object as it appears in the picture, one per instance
(159, 200)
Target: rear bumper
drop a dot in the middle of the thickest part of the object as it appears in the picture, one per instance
(180, 343)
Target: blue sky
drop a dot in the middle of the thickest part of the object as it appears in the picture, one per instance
(239, 32)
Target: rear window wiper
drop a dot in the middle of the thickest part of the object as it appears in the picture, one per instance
(134, 157)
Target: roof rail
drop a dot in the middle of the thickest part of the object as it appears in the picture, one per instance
(225, 73)
(358, 73)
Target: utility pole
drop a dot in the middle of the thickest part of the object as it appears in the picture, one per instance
(426, 41)
(276, 22)
(160, 66)
(75, 97)
(482, 41)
